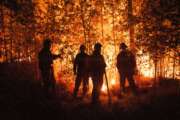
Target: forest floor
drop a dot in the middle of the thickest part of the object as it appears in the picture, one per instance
(22, 98)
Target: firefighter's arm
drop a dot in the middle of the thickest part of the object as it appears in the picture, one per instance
(74, 69)
(56, 56)
(118, 62)
(75, 66)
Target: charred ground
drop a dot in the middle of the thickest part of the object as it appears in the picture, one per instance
(21, 98)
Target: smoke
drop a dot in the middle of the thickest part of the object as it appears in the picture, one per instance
(12, 4)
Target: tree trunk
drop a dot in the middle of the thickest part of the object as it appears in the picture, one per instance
(131, 26)
(11, 37)
(102, 20)
(155, 79)
(2, 29)
(83, 24)
(174, 65)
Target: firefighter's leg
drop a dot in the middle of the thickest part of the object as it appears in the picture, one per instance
(122, 82)
(85, 84)
(99, 86)
(53, 83)
(46, 88)
(45, 78)
(132, 83)
(77, 84)
(95, 90)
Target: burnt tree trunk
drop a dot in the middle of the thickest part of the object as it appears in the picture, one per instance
(11, 36)
(130, 23)
(102, 19)
(83, 24)
(174, 65)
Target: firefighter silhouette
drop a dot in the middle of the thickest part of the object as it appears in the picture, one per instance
(45, 65)
(126, 65)
(81, 71)
(98, 66)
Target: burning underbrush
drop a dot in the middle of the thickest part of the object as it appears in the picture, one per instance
(147, 73)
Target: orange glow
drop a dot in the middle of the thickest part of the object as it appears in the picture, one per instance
(111, 39)
(113, 82)
(144, 63)
(104, 88)
(63, 23)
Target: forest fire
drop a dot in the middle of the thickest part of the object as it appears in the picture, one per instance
(145, 69)
(71, 23)
(90, 59)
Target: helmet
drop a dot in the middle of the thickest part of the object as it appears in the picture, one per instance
(123, 45)
(82, 47)
(97, 45)
(47, 42)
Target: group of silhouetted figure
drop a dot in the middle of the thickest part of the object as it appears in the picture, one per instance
(86, 66)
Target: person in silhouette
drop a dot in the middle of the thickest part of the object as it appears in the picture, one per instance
(81, 71)
(98, 66)
(45, 65)
(126, 65)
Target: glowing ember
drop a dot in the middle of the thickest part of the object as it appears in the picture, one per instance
(113, 82)
(147, 73)
(104, 88)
